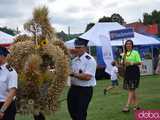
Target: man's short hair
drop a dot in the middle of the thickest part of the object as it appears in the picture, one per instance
(3, 51)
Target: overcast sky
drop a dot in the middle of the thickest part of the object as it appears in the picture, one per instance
(74, 13)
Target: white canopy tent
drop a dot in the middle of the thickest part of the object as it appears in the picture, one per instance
(138, 40)
(99, 35)
(103, 29)
(6, 39)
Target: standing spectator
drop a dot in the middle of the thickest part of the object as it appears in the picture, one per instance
(158, 66)
(82, 81)
(8, 86)
(119, 55)
(131, 60)
(114, 77)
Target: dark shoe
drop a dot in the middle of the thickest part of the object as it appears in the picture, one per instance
(104, 91)
(136, 108)
(40, 116)
(125, 109)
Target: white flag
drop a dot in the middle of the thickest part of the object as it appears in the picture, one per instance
(106, 52)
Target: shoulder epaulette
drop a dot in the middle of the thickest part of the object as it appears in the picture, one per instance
(88, 57)
(9, 68)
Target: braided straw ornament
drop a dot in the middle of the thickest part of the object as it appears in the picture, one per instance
(42, 68)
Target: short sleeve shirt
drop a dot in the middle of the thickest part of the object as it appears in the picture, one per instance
(133, 56)
(8, 80)
(114, 72)
(84, 64)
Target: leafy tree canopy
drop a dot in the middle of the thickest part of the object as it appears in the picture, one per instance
(8, 30)
(89, 26)
(113, 18)
(152, 18)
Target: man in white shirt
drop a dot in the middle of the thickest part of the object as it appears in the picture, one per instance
(82, 81)
(8, 86)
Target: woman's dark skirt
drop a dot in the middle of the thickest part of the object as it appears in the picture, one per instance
(131, 77)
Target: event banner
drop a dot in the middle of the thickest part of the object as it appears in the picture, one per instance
(121, 34)
(107, 52)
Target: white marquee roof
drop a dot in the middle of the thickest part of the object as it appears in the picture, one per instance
(6, 39)
(103, 29)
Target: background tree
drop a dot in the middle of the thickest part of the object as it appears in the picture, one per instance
(8, 30)
(156, 16)
(105, 19)
(152, 18)
(147, 19)
(117, 18)
(89, 26)
(114, 18)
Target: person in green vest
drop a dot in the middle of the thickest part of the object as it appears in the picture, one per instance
(131, 60)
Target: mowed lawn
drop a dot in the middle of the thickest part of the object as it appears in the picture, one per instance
(109, 107)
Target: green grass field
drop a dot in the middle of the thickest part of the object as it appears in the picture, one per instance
(109, 107)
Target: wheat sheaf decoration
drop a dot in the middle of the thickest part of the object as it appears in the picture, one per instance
(42, 63)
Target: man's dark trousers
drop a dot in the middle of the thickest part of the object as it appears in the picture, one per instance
(78, 100)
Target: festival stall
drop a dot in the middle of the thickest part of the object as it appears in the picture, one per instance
(6, 39)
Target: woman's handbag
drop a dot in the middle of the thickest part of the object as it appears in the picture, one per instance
(121, 70)
(122, 67)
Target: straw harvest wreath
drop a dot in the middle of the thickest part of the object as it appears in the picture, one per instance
(41, 61)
